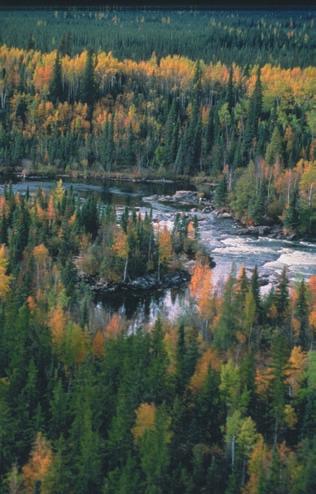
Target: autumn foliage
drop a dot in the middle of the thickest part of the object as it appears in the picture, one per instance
(40, 461)
(145, 419)
(4, 277)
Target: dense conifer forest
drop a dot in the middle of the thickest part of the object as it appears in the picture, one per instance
(221, 399)
(285, 38)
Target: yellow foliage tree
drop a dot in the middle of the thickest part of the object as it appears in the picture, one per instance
(39, 463)
(51, 213)
(120, 248)
(4, 277)
(263, 379)
(201, 287)
(295, 371)
(59, 192)
(57, 323)
(114, 326)
(40, 253)
(145, 419)
(208, 360)
(165, 245)
(290, 416)
(98, 344)
(258, 466)
(73, 348)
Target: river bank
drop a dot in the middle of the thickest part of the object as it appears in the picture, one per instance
(141, 284)
(92, 175)
(193, 193)
(197, 202)
(218, 233)
(203, 189)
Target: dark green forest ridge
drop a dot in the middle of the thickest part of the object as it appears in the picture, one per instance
(287, 38)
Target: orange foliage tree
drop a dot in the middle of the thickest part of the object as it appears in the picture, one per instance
(165, 245)
(295, 371)
(114, 326)
(4, 277)
(98, 343)
(201, 287)
(209, 360)
(40, 461)
(145, 419)
(57, 322)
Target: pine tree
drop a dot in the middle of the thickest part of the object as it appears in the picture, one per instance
(255, 288)
(257, 207)
(208, 138)
(229, 90)
(221, 191)
(56, 86)
(301, 313)
(88, 85)
(274, 152)
(292, 213)
(282, 298)
(154, 453)
(279, 359)
(225, 331)
(157, 370)
(254, 114)
(169, 134)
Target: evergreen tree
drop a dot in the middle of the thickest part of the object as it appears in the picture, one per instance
(282, 298)
(255, 288)
(300, 312)
(221, 191)
(56, 86)
(88, 86)
(279, 358)
(257, 207)
(292, 213)
(274, 150)
(229, 90)
(254, 114)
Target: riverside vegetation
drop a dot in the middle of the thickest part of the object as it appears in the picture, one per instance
(223, 399)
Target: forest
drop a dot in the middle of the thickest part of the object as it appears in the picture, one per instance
(90, 114)
(222, 398)
(246, 37)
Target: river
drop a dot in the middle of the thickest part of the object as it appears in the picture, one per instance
(218, 235)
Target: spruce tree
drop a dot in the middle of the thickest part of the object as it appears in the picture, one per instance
(274, 150)
(282, 298)
(88, 85)
(292, 213)
(229, 91)
(56, 86)
(301, 313)
(220, 196)
(255, 288)
(254, 114)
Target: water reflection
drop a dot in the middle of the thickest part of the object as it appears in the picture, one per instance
(217, 234)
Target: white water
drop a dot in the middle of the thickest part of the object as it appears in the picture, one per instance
(220, 238)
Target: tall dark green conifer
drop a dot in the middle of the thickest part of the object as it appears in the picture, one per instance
(56, 85)
(254, 113)
(229, 91)
(292, 213)
(88, 85)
